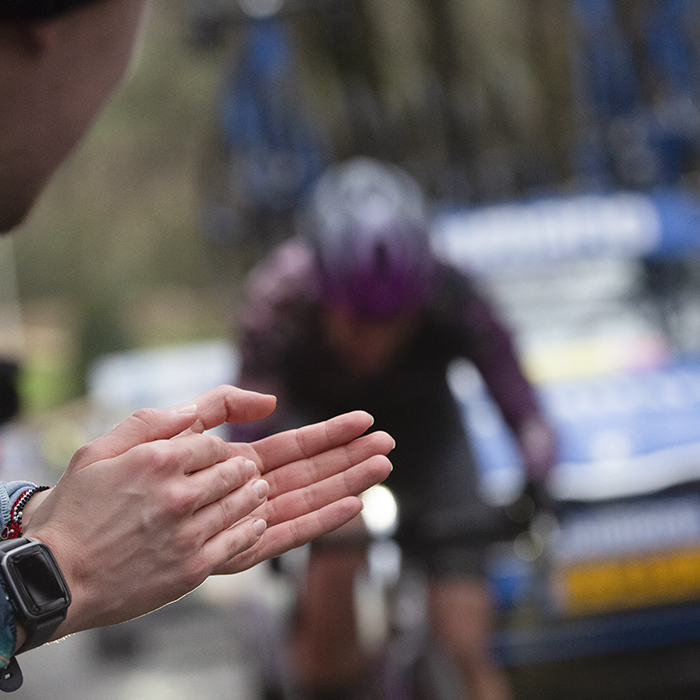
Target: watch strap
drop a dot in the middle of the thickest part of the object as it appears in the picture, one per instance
(41, 633)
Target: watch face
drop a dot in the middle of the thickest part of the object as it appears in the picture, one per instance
(37, 581)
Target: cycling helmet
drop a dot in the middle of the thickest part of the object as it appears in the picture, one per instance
(368, 226)
(37, 10)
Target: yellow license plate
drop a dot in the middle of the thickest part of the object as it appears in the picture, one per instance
(633, 582)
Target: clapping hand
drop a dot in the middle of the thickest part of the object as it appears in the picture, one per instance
(145, 513)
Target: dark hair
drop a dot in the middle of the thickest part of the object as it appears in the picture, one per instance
(37, 10)
(9, 391)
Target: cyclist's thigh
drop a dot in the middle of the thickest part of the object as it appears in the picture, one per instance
(438, 505)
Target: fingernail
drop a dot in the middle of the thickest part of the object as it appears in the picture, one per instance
(251, 467)
(259, 526)
(189, 409)
(261, 488)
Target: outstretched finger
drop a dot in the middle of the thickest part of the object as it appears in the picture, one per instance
(223, 513)
(350, 482)
(225, 404)
(278, 539)
(219, 481)
(228, 404)
(311, 440)
(237, 541)
(304, 472)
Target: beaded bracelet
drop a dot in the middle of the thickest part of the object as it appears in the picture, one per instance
(13, 529)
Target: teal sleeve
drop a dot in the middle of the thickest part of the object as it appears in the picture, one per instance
(8, 629)
(10, 491)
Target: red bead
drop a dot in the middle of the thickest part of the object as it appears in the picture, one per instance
(11, 531)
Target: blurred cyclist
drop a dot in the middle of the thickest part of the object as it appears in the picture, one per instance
(356, 312)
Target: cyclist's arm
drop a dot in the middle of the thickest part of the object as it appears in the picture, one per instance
(489, 345)
(267, 321)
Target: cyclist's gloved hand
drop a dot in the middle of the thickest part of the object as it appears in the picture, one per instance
(538, 445)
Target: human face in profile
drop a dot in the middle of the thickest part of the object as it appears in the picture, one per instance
(55, 77)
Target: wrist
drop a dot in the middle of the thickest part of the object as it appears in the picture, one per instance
(13, 526)
(37, 498)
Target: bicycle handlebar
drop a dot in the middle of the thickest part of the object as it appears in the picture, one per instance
(480, 526)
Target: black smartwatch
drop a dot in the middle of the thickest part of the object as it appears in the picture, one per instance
(36, 588)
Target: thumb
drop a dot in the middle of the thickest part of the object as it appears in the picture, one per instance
(146, 425)
(225, 404)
